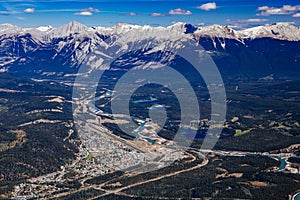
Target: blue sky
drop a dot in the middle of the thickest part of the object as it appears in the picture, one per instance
(239, 14)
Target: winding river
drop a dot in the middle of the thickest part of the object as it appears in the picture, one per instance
(283, 163)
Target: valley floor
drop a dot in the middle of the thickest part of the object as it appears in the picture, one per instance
(93, 184)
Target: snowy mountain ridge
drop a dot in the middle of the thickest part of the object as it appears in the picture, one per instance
(281, 31)
(58, 52)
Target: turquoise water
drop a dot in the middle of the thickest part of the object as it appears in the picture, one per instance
(297, 197)
(157, 108)
(140, 129)
(152, 99)
(282, 161)
(282, 164)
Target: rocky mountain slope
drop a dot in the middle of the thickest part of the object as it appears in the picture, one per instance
(58, 52)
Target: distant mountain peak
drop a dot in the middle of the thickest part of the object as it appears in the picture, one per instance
(75, 24)
(47, 51)
(9, 29)
(178, 26)
(70, 28)
(8, 25)
(123, 28)
(282, 24)
(218, 31)
(45, 28)
(280, 30)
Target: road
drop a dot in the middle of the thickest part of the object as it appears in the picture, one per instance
(119, 190)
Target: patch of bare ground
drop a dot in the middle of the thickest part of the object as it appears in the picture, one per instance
(258, 184)
(19, 141)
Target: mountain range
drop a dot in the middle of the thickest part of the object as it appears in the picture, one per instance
(263, 51)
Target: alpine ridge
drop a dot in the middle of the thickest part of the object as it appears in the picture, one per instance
(58, 52)
(280, 30)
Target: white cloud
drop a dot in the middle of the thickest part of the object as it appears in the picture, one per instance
(208, 6)
(261, 8)
(253, 20)
(157, 15)
(131, 14)
(90, 9)
(179, 11)
(297, 15)
(29, 10)
(284, 10)
(87, 11)
(84, 13)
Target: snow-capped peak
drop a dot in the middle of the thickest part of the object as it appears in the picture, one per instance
(9, 29)
(120, 28)
(282, 31)
(217, 31)
(7, 25)
(70, 28)
(182, 27)
(45, 28)
(179, 27)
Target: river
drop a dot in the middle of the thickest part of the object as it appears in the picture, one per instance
(283, 163)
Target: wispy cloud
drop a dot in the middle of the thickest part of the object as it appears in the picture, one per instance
(90, 9)
(297, 15)
(179, 11)
(284, 10)
(208, 6)
(29, 10)
(20, 18)
(157, 14)
(87, 11)
(57, 10)
(16, 9)
(5, 13)
(241, 26)
(252, 20)
(245, 23)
